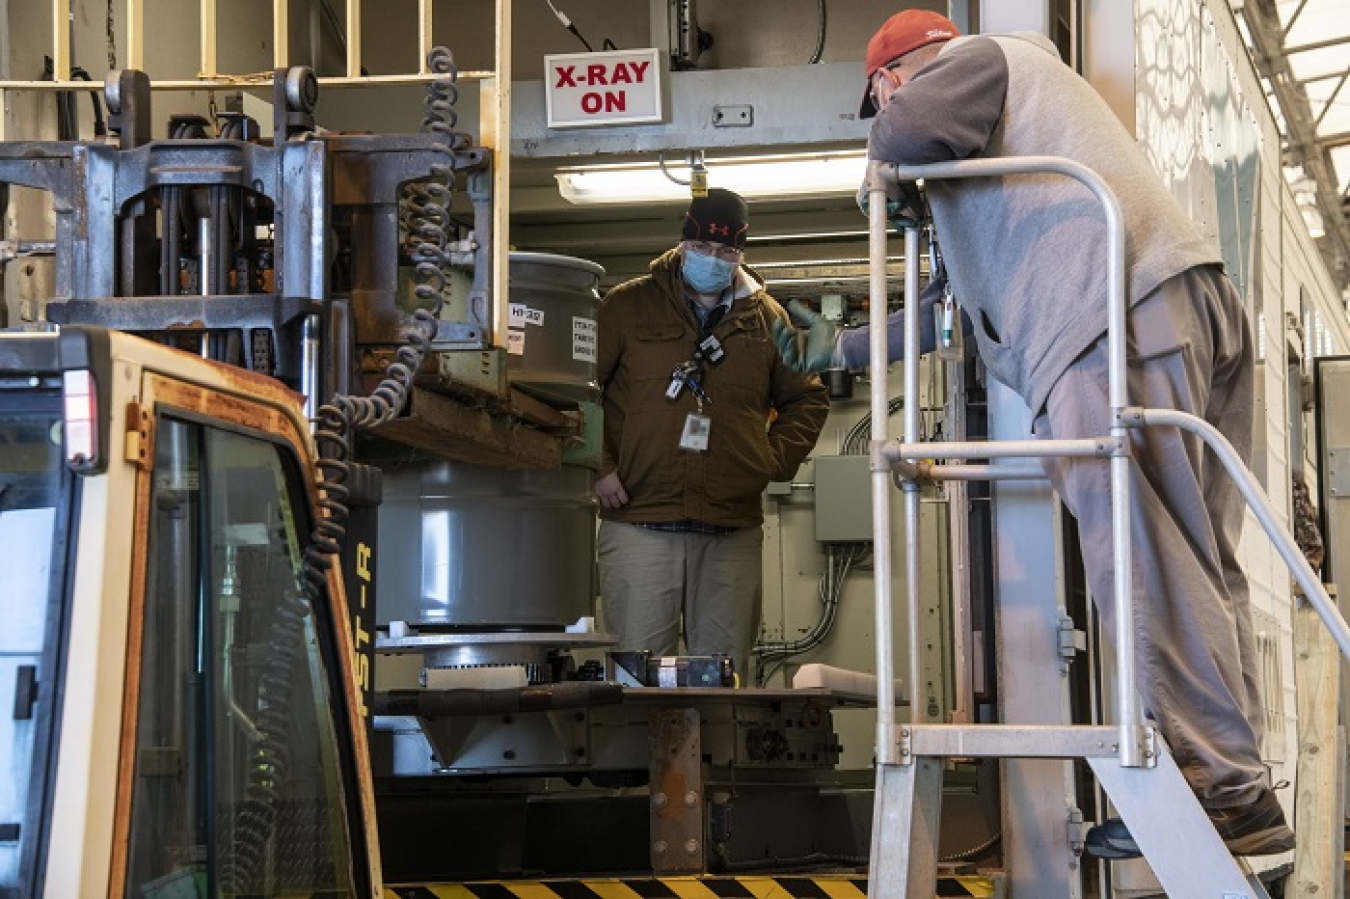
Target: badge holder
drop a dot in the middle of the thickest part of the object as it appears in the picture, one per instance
(697, 426)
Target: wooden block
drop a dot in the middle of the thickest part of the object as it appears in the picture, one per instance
(1319, 815)
(456, 431)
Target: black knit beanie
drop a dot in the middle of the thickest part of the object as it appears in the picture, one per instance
(720, 217)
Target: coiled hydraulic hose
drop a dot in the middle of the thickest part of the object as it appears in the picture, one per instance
(428, 220)
(425, 209)
(426, 213)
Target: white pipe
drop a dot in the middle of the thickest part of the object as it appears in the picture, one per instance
(353, 37)
(981, 472)
(913, 543)
(309, 366)
(207, 63)
(887, 750)
(496, 103)
(61, 40)
(205, 260)
(281, 26)
(958, 541)
(424, 35)
(896, 451)
(135, 35)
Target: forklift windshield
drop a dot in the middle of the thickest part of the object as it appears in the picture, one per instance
(35, 502)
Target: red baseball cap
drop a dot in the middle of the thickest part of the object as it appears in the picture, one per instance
(903, 33)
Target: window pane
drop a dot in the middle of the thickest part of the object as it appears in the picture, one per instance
(31, 494)
(237, 786)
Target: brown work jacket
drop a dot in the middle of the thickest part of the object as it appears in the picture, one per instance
(765, 416)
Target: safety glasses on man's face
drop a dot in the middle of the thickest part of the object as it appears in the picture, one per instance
(721, 251)
(884, 83)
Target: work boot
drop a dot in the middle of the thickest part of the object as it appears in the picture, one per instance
(1257, 828)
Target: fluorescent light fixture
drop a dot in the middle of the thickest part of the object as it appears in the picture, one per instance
(771, 177)
(805, 235)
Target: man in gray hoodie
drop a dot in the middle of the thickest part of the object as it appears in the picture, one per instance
(1026, 258)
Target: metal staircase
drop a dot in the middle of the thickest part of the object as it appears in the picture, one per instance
(1129, 759)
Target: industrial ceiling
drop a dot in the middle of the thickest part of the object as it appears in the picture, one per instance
(1302, 50)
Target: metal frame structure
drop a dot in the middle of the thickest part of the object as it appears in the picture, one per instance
(209, 77)
(1303, 145)
(105, 196)
(1129, 759)
(495, 87)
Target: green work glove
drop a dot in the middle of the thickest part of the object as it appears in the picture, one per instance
(808, 350)
(905, 206)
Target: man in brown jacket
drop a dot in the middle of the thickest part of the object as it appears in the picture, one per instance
(700, 415)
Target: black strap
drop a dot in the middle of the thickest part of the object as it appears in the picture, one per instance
(715, 315)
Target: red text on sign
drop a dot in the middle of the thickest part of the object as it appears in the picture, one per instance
(600, 75)
(609, 101)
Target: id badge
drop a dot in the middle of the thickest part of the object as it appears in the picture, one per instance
(696, 430)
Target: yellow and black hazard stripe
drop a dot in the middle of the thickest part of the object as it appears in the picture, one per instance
(838, 887)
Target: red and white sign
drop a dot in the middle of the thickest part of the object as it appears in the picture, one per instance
(621, 87)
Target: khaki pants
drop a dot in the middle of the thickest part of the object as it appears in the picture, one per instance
(1191, 350)
(652, 582)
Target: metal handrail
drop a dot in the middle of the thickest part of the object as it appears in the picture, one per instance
(1313, 590)
(886, 453)
(1131, 748)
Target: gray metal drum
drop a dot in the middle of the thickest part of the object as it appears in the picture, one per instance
(480, 548)
(552, 326)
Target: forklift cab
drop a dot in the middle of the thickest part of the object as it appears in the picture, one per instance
(184, 720)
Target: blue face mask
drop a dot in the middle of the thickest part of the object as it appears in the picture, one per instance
(705, 273)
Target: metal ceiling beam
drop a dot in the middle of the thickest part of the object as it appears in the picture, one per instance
(1317, 45)
(1331, 101)
(1303, 147)
(1326, 76)
(1294, 18)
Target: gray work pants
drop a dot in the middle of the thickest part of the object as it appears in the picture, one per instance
(651, 580)
(1190, 350)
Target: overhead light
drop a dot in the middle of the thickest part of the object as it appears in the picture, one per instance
(770, 177)
(788, 237)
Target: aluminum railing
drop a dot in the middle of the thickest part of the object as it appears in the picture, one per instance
(905, 455)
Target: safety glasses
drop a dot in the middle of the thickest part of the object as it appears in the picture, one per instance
(720, 250)
(884, 83)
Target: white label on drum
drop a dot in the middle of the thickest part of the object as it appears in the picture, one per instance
(515, 343)
(583, 339)
(522, 315)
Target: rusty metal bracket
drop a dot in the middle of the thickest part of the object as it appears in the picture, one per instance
(675, 747)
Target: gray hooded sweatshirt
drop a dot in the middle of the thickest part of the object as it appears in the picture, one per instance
(1026, 254)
